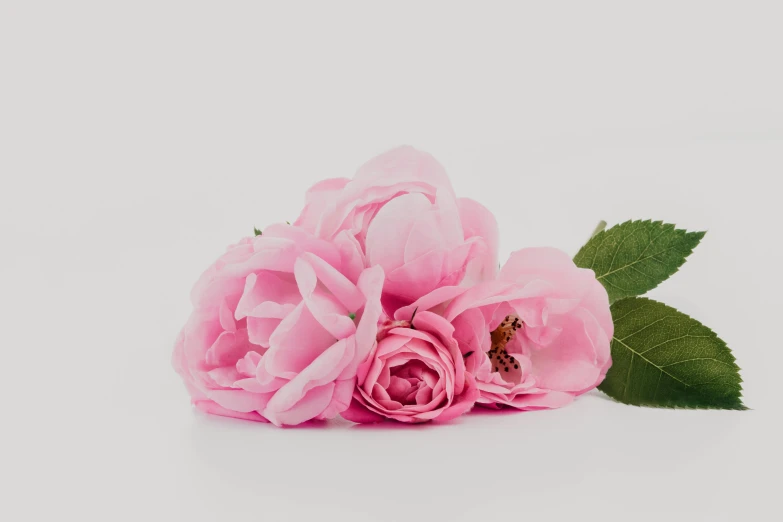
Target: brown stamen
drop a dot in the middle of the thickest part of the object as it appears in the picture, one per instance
(499, 356)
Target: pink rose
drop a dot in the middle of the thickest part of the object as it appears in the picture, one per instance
(420, 245)
(277, 330)
(340, 204)
(401, 211)
(534, 338)
(414, 375)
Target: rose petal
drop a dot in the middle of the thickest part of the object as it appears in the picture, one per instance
(310, 406)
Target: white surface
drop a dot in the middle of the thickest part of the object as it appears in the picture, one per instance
(136, 141)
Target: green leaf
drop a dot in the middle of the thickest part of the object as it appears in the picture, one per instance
(633, 258)
(257, 232)
(662, 357)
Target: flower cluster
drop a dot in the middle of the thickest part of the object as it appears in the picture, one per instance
(384, 300)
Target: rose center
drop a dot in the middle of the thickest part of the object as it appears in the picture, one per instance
(412, 383)
(502, 361)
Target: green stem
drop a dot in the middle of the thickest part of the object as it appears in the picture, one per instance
(598, 229)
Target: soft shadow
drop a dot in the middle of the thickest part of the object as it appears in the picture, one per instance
(221, 420)
(479, 411)
(391, 425)
(600, 395)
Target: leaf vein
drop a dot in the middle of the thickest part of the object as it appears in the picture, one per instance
(698, 359)
(648, 326)
(651, 256)
(652, 363)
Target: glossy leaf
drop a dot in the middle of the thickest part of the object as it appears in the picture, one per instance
(662, 357)
(633, 258)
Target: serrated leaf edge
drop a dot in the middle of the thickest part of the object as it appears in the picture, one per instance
(601, 236)
(739, 407)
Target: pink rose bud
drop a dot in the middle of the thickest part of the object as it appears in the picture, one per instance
(415, 374)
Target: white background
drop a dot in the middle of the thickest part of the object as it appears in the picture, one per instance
(137, 139)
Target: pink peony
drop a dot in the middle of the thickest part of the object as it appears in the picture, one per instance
(415, 374)
(534, 338)
(278, 330)
(401, 211)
